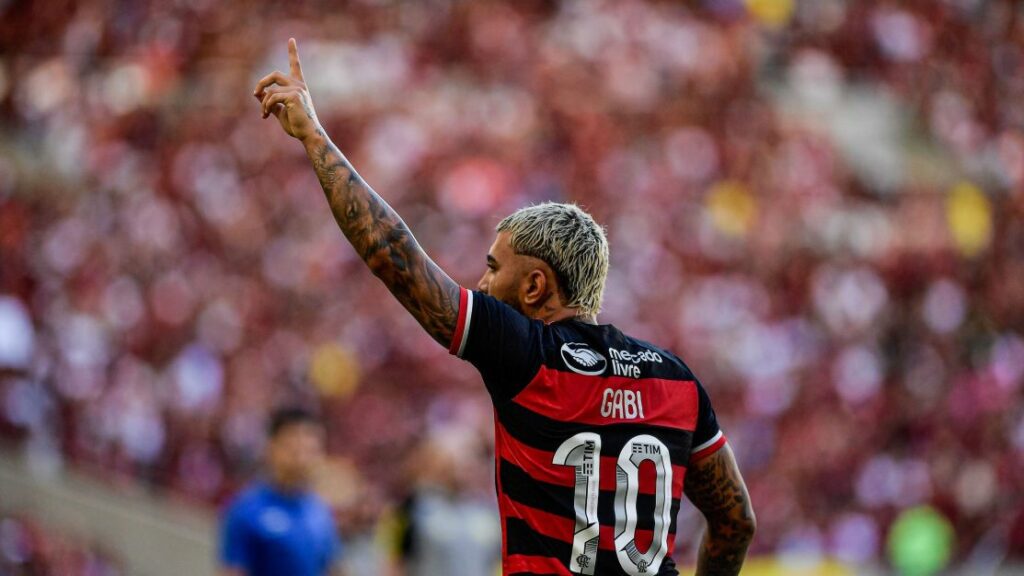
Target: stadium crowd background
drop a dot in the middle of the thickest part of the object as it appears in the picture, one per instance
(818, 203)
(28, 548)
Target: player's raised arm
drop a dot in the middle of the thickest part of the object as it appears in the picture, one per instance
(716, 488)
(375, 230)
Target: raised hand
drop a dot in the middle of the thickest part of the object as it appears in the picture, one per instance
(287, 98)
(375, 230)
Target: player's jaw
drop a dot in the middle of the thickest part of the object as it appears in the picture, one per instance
(502, 289)
(504, 275)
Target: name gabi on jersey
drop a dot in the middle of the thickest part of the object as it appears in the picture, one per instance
(624, 404)
(625, 363)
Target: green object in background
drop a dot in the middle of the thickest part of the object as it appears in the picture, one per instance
(920, 542)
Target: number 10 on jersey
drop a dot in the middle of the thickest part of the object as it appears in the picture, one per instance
(583, 452)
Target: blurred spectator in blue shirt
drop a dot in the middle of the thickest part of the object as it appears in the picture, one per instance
(278, 526)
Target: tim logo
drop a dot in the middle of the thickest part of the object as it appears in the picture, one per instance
(583, 359)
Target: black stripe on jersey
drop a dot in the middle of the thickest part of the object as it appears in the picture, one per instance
(554, 499)
(524, 540)
(543, 433)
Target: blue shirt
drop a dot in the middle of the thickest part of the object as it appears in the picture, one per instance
(266, 532)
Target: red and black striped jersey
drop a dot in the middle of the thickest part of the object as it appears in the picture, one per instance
(594, 431)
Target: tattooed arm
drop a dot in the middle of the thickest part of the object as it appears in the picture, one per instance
(385, 243)
(375, 230)
(716, 488)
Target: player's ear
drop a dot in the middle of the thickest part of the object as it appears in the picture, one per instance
(535, 287)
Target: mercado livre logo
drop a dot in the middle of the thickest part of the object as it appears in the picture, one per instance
(583, 359)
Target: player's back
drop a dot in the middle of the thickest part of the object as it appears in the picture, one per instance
(594, 431)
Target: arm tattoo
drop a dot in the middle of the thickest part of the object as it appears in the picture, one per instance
(385, 243)
(716, 488)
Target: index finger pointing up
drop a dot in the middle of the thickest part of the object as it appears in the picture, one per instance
(293, 59)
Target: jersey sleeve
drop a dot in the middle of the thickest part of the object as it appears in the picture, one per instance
(235, 546)
(504, 345)
(708, 437)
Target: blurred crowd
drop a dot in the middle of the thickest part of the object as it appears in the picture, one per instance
(28, 548)
(819, 204)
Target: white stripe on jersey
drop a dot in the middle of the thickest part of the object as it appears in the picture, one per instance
(708, 443)
(465, 325)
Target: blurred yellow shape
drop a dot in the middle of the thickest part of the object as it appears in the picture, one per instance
(334, 371)
(969, 214)
(771, 12)
(766, 566)
(732, 207)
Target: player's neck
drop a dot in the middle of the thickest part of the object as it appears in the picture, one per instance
(553, 311)
(578, 318)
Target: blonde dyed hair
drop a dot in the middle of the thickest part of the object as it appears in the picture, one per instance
(567, 239)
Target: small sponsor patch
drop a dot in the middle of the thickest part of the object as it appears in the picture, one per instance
(583, 359)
